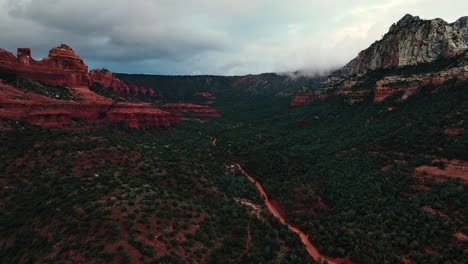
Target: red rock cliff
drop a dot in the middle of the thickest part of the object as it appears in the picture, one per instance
(92, 109)
(61, 67)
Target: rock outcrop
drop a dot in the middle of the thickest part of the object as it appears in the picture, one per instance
(411, 84)
(62, 67)
(412, 41)
(140, 115)
(302, 98)
(108, 80)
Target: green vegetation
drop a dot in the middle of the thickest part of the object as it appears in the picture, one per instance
(343, 174)
(106, 92)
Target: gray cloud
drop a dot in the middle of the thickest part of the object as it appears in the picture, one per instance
(205, 36)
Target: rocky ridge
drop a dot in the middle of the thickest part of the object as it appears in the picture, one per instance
(410, 43)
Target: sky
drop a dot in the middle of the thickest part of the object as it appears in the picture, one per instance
(221, 37)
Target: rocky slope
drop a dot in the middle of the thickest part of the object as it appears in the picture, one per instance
(412, 41)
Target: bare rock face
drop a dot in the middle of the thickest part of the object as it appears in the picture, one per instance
(412, 41)
(61, 67)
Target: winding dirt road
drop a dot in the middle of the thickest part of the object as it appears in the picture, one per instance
(311, 249)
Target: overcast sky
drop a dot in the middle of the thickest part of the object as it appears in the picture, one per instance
(209, 36)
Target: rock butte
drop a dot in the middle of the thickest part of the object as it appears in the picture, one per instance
(61, 67)
(64, 68)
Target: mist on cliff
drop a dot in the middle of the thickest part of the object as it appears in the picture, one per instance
(221, 37)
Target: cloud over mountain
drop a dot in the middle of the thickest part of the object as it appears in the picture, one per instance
(202, 36)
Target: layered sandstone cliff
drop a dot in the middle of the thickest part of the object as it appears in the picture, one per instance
(90, 109)
(61, 67)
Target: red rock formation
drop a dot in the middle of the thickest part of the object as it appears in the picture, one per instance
(198, 110)
(133, 89)
(61, 67)
(140, 115)
(93, 109)
(307, 97)
(64, 67)
(411, 84)
(108, 80)
(301, 99)
(205, 97)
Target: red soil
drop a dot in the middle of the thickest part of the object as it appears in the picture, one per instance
(452, 169)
